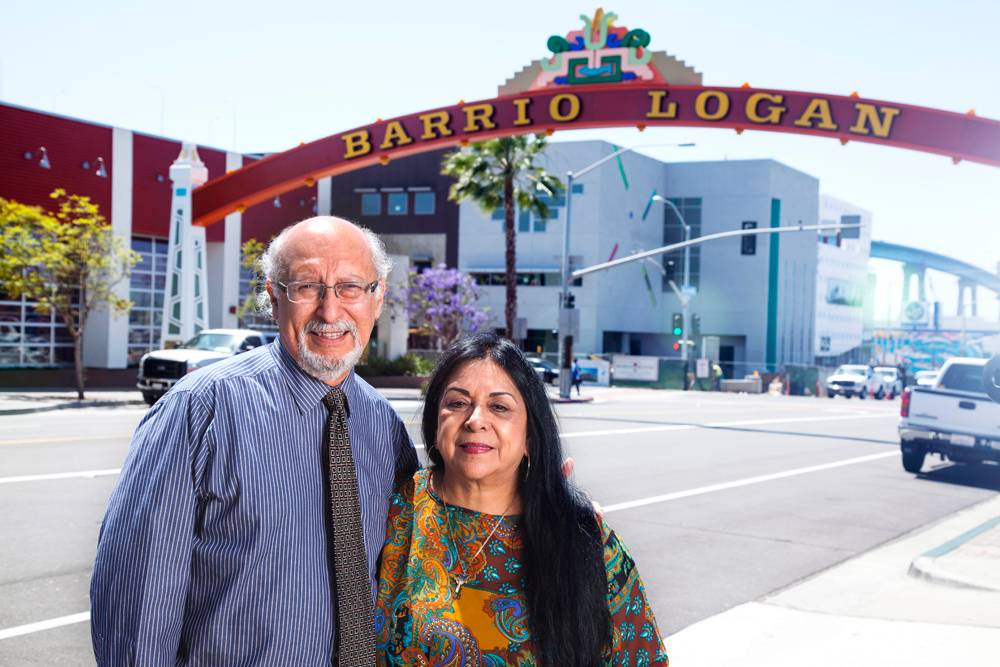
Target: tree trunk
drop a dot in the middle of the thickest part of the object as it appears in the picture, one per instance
(510, 255)
(78, 359)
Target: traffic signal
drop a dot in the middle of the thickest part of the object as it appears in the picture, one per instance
(677, 346)
(696, 324)
(678, 326)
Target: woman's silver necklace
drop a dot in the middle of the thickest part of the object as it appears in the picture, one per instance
(464, 578)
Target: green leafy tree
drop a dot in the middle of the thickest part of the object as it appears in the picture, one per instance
(67, 261)
(250, 253)
(502, 172)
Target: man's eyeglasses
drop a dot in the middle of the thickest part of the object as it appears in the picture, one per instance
(300, 291)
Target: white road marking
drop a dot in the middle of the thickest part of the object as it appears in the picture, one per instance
(75, 438)
(748, 422)
(44, 625)
(85, 616)
(61, 475)
(724, 486)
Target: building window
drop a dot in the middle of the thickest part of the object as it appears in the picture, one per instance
(673, 232)
(748, 244)
(524, 279)
(31, 338)
(371, 203)
(423, 203)
(529, 221)
(397, 204)
(146, 288)
(824, 343)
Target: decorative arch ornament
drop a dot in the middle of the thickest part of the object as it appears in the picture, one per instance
(603, 76)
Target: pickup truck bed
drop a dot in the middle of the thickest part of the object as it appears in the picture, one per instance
(960, 426)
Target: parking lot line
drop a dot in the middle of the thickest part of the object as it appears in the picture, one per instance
(724, 486)
(44, 625)
(61, 475)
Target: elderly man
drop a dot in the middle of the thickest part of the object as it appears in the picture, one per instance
(246, 525)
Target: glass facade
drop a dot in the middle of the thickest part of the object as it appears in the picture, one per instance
(673, 232)
(31, 338)
(146, 289)
(527, 221)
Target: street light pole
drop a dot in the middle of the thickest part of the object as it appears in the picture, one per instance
(565, 297)
(686, 287)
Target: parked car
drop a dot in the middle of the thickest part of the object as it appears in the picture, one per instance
(161, 369)
(926, 378)
(855, 380)
(955, 418)
(891, 380)
(547, 371)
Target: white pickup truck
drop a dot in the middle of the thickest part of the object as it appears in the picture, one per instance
(955, 418)
(161, 369)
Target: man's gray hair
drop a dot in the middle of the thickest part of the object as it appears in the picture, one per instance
(273, 265)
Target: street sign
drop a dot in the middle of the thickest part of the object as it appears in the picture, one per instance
(701, 368)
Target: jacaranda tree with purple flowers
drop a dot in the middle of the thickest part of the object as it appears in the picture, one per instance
(442, 304)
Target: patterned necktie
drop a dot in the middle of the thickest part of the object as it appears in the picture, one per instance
(355, 646)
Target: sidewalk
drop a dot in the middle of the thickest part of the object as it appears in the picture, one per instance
(928, 598)
(27, 401)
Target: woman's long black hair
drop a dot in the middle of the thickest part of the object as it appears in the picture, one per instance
(566, 584)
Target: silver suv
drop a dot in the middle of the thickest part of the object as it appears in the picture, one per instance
(161, 369)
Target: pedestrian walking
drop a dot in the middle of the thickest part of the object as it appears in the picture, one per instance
(576, 375)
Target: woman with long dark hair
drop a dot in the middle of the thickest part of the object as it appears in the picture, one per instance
(492, 557)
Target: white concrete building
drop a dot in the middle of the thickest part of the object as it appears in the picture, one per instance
(758, 295)
(841, 284)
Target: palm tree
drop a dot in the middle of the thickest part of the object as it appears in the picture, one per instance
(502, 172)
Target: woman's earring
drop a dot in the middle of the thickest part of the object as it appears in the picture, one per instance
(527, 471)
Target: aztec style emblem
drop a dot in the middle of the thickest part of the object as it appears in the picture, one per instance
(600, 53)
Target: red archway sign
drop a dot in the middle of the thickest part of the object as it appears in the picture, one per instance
(603, 76)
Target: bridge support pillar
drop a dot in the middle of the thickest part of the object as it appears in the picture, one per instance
(964, 285)
(910, 270)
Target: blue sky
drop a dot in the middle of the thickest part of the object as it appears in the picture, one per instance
(263, 76)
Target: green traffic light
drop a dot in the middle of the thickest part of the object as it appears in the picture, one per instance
(677, 331)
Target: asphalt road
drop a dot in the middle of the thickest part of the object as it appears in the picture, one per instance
(721, 498)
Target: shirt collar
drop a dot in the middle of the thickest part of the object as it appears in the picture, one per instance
(306, 390)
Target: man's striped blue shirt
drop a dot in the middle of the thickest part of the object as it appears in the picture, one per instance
(213, 550)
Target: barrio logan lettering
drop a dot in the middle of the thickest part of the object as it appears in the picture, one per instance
(603, 74)
(738, 108)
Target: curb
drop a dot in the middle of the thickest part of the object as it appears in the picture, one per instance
(579, 399)
(926, 566)
(68, 406)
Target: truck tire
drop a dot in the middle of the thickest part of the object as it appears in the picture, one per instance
(880, 394)
(831, 394)
(913, 458)
(150, 397)
(863, 394)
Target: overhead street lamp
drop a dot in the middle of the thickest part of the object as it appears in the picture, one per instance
(566, 304)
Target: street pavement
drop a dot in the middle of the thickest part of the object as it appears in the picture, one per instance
(769, 530)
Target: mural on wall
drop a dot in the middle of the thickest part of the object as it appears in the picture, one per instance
(928, 350)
